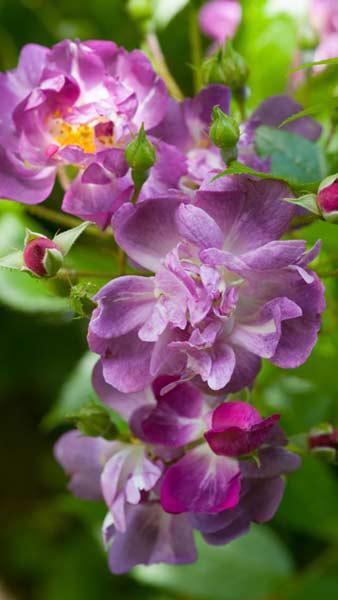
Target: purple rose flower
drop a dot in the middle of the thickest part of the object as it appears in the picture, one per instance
(77, 103)
(219, 19)
(225, 293)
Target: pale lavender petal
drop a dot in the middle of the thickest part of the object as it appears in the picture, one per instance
(126, 474)
(152, 536)
(83, 458)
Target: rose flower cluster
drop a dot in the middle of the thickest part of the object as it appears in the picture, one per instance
(218, 290)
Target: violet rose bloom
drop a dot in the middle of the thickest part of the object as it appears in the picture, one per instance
(118, 472)
(208, 477)
(219, 19)
(77, 103)
(152, 536)
(262, 490)
(226, 292)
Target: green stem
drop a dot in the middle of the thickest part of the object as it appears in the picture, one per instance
(161, 66)
(196, 48)
(73, 273)
(47, 214)
(122, 261)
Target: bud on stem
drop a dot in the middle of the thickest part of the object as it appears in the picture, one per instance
(141, 156)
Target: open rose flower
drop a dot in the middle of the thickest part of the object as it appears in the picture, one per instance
(226, 292)
(78, 103)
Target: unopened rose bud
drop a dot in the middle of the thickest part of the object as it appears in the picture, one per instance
(327, 199)
(140, 9)
(224, 130)
(42, 257)
(226, 66)
(140, 153)
(323, 441)
(94, 421)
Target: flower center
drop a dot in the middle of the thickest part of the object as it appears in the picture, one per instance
(88, 137)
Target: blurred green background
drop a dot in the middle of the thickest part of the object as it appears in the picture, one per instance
(49, 542)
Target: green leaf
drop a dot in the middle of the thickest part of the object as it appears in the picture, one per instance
(76, 394)
(66, 239)
(293, 157)
(249, 567)
(310, 501)
(237, 168)
(165, 10)
(325, 61)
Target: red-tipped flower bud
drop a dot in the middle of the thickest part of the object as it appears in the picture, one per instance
(327, 199)
(323, 441)
(43, 257)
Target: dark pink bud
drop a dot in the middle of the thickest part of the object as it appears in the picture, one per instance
(328, 201)
(324, 440)
(34, 255)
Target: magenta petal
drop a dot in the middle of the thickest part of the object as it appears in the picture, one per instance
(234, 414)
(234, 441)
(201, 482)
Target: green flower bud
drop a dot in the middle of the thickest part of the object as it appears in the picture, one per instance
(94, 421)
(224, 130)
(140, 10)
(226, 66)
(140, 153)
